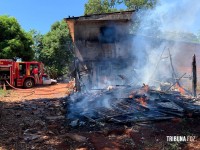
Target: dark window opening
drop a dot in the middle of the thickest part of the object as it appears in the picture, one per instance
(4, 73)
(107, 34)
(22, 70)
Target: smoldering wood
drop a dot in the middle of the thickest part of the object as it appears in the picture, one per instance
(123, 110)
(194, 76)
(169, 107)
(176, 82)
(139, 119)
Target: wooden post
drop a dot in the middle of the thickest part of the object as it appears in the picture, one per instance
(4, 86)
(194, 76)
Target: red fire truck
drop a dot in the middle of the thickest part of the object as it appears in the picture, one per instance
(19, 74)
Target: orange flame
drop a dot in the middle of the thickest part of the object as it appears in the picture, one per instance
(142, 101)
(132, 94)
(180, 89)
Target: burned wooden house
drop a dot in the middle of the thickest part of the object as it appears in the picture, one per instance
(101, 47)
(106, 51)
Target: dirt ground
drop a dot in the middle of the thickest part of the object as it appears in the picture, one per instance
(39, 92)
(35, 119)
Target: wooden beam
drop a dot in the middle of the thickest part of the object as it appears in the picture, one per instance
(194, 76)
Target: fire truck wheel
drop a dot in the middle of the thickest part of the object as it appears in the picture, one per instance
(28, 83)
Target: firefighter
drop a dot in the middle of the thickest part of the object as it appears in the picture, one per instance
(35, 73)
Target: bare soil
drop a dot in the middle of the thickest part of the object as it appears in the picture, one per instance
(35, 119)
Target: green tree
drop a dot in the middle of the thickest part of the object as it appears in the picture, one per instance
(140, 4)
(99, 6)
(37, 43)
(106, 6)
(14, 42)
(56, 53)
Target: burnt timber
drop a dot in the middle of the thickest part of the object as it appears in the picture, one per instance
(158, 106)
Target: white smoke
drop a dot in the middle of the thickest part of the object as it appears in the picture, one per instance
(172, 15)
(169, 16)
(178, 15)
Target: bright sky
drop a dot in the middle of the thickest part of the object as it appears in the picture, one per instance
(41, 14)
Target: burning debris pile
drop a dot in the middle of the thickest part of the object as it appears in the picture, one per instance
(129, 104)
(112, 63)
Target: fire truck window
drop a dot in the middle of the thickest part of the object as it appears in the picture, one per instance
(22, 69)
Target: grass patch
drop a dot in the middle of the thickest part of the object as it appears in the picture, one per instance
(3, 93)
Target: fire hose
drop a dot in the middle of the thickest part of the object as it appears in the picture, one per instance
(25, 89)
(29, 90)
(32, 91)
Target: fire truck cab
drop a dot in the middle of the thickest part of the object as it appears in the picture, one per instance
(19, 74)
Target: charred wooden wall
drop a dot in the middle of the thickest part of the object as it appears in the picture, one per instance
(100, 41)
(100, 36)
(91, 43)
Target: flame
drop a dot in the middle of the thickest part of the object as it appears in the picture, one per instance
(180, 89)
(142, 101)
(141, 93)
(132, 94)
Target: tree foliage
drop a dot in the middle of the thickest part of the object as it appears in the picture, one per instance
(37, 43)
(99, 6)
(106, 6)
(140, 4)
(56, 52)
(14, 42)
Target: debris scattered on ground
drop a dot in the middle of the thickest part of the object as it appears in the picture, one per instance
(143, 104)
(40, 123)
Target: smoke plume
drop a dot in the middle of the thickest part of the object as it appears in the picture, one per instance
(162, 24)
